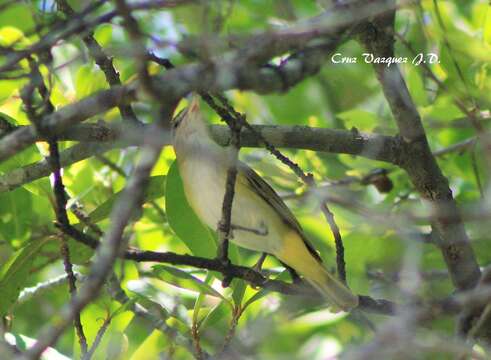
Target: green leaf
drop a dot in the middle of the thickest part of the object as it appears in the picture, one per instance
(88, 80)
(257, 296)
(28, 156)
(124, 307)
(15, 216)
(184, 280)
(416, 85)
(18, 15)
(40, 187)
(360, 119)
(284, 275)
(199, 301)
(165, 304)
(183, 220)
(103, 34)
(15, 274)
(153, 344)
(217, 314)
(155, 189)
(10, 35)
(239, 287)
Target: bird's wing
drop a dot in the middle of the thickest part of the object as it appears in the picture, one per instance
(267, 193)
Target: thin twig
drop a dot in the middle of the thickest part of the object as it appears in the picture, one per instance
(196, 341)
(130, 199)
(65, 253)
(156, 320)
(340, 262)
(250, 275)
(236, 314)
(308, 179)
(420, 163)
(29, 293)
(104, 62)
(58, 187)
(98, 338)
(224, 227)
(475, 170)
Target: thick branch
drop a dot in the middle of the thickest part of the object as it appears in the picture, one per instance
(172, 85)
(231, 271)
(67, 116)
(103, 137)
(420, 163)
(107, 253)
(372, 146)
(219, 75)
(215, 76)
(104, 62)
(32, 172)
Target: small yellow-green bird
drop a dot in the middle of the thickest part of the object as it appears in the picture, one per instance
(203, 166)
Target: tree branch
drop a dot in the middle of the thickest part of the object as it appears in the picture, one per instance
(67, 116)
(110, 249)
(35, 112)
(104, 62)
(419, 162)
(214, 76)
(106, 137)
(252, 276)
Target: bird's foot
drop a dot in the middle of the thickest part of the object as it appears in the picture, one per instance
(261, 231)
(296, 279)
(258, 266)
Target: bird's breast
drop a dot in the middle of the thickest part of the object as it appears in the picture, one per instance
(204, 184)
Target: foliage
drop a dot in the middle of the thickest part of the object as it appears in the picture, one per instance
(382, 231)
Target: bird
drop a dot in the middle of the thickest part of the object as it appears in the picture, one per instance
(260, 220)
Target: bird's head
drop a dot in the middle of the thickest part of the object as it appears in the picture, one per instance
(189, 126)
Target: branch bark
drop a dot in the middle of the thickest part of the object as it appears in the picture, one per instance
(107, 253)
(67, 116)
(419, 162)
(213, 75)
(104, 62)
(101, 137)
(255, 278)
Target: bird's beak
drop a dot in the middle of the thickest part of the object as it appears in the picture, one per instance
(194, 106)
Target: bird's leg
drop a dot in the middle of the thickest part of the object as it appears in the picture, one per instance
(261, 231)
(295, 277)
(224, 238)
(259, 264)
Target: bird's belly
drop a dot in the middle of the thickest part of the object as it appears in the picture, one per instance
(249, 211)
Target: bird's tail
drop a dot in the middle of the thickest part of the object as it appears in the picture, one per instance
(296, 255)
(332, 289)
